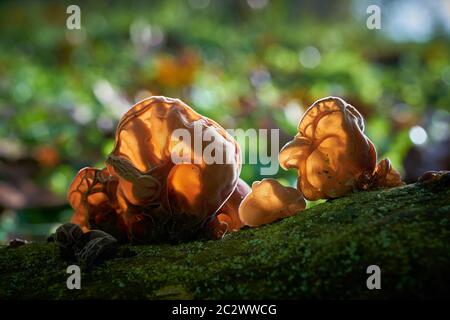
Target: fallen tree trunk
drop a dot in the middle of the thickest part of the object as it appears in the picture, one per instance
(323, 252)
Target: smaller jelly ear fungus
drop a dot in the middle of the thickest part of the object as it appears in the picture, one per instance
(434, 176)
(229, 213)
(227, 219)
(270, 201)
(332, 154)
(384, 176)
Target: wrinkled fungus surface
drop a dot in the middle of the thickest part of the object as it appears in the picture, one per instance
(332, 154)
(270, 201)
(143, 194)
(229, 213)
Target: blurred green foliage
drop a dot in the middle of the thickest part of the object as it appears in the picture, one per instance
(62, 91)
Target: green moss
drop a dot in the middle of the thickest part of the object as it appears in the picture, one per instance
(322, 252)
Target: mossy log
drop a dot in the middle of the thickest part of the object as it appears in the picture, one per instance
(323, 252)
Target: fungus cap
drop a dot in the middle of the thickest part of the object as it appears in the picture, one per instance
(229, 213)
(330, 151)
(270, 201)
(158, 183)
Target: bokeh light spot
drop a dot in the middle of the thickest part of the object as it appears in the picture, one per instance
(310, 57)
(418, 135)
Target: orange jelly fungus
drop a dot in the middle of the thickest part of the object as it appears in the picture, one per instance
(332, 154)
(228, 216)
(270, 201)
(229, 213)
(143, 196)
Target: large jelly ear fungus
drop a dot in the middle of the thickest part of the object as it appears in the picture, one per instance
(332, 154)
(270, 201)
(93, 195)
(160, 182)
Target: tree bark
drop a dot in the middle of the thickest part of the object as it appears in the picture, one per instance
(323, 252)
